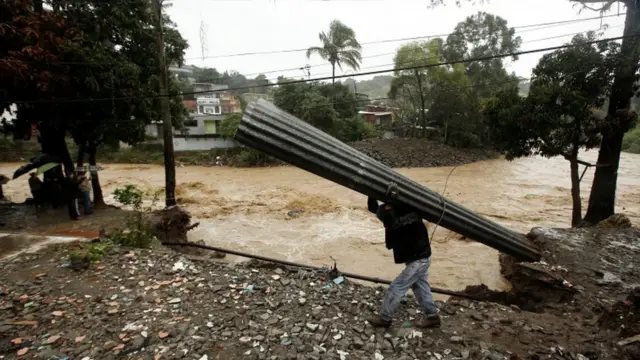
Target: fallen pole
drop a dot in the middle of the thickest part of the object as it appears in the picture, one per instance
(311, 267)
(266, 128)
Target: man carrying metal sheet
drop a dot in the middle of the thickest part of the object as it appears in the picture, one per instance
(407, 236)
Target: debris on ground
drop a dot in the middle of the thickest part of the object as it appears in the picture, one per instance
(159, 304)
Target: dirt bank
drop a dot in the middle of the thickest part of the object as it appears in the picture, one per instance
(413, 153)
(162, 305)
(398, 152)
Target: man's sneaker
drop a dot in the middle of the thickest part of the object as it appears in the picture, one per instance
(378, 322)
(428, 321)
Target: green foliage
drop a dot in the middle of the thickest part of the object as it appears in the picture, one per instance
(330, 108)
(444, 102)
(129, 196)
(306, 101)
(357, 129)
(136, 233)
(631, 142)
(250, 158)
(339, 46)
(558, 117)
(88, 49)
(229, 125)
(483, 35)
(91, 252)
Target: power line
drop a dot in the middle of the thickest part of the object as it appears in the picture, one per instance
(270, 52)
(292, 82)
(532, 27)
(356, 100)
(392, 64)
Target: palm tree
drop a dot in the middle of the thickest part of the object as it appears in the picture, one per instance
(339, 47)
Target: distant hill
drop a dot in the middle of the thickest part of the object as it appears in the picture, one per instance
(376, 88)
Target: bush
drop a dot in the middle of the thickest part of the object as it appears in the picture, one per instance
(229, 125)
(349, 130)
(631, 142)
(81, 259)
(136, 234)
(250, 157)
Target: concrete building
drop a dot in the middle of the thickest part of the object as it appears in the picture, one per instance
(377, 115)
(184, 71)
(202, 130)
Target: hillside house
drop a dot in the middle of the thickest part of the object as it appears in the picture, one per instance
(202, 130)
(377, 115)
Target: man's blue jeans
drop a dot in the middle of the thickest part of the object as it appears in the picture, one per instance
(414, 276)
(87, 203)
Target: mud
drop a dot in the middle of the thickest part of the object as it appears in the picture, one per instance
(411, 153)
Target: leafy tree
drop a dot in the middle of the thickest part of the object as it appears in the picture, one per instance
(312, 102)
(455, 109)
(346, 104)
(229, 125)
(92, 49)
(483, 35)
(416, 84)
(207, 75)
(620, 117)
(339, 46)
(558, 117)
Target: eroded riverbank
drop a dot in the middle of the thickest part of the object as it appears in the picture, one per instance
(246, 209)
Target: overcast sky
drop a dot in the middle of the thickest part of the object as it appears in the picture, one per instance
(248, 26)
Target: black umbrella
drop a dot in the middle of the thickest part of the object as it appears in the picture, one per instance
(35, 163)
(24, 169)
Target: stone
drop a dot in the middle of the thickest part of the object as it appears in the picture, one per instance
(357, 343)
(456, 339)
(312, 327)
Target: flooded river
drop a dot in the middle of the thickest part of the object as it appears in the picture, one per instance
(246, 210)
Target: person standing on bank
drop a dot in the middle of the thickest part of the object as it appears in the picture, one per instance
(70, 190)
(408, 237)
(85, 189)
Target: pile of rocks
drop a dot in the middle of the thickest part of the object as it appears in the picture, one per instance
(148, 304)
(410, 153)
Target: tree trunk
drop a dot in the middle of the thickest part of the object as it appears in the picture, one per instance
(576, 214)
(98, 197)
(80, 157)
(446, 131)
(603, 191)
(53, 143)
(167, 128)
(333, 85)
(423, 119)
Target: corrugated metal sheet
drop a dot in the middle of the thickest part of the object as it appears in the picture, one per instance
(266, 128)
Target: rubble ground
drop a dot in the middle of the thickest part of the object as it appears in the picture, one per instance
(159, 304)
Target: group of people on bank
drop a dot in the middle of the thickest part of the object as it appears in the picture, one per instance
(53, 191)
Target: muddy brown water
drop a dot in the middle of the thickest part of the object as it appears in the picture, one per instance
(246, 210)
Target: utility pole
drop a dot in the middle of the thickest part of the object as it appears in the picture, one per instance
(167, 128)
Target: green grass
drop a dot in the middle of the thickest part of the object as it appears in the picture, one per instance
(631, 142)
(146, 153)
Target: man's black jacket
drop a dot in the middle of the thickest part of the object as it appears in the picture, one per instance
(405, 232)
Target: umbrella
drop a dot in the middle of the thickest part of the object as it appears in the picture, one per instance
(24, 169)
(35, 163)
(46, 167)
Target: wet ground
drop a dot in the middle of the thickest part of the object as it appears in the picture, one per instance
(247, 210)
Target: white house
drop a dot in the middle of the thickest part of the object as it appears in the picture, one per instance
(201, 132)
